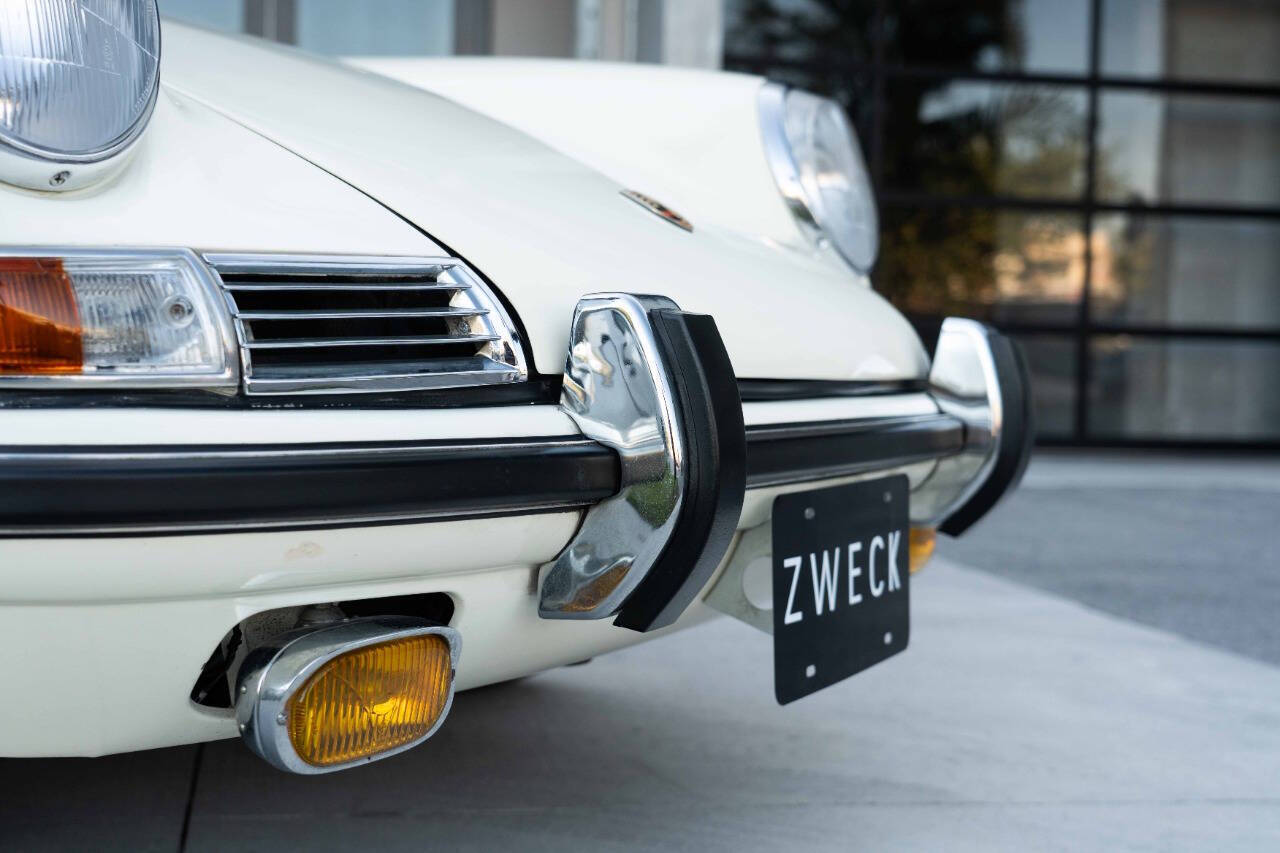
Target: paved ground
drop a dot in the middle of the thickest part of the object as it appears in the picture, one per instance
(1017, 719)
(1181, 543)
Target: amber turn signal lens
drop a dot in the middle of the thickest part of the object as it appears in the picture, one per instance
(39, 319)
(371, 700)
(920, 545)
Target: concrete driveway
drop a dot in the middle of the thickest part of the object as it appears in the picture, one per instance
(1018, 719)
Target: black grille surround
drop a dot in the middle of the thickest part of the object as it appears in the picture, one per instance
(327, 324)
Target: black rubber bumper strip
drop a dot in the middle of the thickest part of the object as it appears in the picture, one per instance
(766, 390)
(92, 490)
(802, 452)
(175, 489)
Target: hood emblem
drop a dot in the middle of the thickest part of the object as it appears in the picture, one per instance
(654, 206)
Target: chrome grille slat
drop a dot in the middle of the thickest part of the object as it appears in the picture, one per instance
(360, 314)
(430, 340)
(356, 286)
(337, 324)
(347, 265)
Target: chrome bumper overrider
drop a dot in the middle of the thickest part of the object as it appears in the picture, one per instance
(656, 385)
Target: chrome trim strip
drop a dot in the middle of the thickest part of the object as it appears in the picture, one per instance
(771, 104)
(617, 391)
(233, 527)
(385, 382)
(272, 674)
(276, 451)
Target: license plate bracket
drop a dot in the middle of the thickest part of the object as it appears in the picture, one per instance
(840, 582)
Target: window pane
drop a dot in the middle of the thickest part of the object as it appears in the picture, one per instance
(1236, 40)
(1189, 149)
(1052, 361)
(983, 138)
(1030, 35)
(998, 266)
(371, 27)
(225, 15)
(1186, 271)
(799, 29)
(1144, 388)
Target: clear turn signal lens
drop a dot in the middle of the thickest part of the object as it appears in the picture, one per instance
(920, 545)
(371, 700)
(126, 318)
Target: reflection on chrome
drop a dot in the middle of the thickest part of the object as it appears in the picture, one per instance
(963, 381)
(618, 392)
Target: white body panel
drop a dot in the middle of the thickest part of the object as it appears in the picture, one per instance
(543, 227)
(689, 138)
(111, 632)
(199, 181)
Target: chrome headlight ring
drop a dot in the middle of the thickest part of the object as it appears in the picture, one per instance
(814, 155)
(77, 88)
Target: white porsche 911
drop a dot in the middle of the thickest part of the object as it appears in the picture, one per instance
(326, 390)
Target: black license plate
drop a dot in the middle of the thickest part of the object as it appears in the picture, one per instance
(840, 583)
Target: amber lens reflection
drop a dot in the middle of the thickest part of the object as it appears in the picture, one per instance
(371, 700)
(39, 321)
(921, 543)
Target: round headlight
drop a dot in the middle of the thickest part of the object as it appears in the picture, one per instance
(816, 160)
(78, 81)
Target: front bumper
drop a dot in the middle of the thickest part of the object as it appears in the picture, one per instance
(126, 558)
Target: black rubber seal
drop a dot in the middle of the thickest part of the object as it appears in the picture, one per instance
(702, 379)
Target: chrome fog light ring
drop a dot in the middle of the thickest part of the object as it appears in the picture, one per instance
(273, 674)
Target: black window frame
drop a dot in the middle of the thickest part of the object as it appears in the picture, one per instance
(1095, 84)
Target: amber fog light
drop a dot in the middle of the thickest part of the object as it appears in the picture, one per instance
(347, 693)
(920, 545)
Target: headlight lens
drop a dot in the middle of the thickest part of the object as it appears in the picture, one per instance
(78, 78)
(819, 167)
(133, 319)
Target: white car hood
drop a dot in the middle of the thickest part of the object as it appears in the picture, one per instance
(543, 227)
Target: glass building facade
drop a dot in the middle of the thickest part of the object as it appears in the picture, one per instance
(1100, 178)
